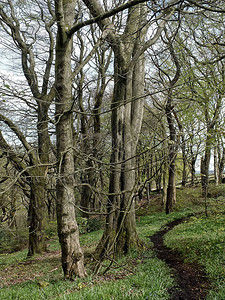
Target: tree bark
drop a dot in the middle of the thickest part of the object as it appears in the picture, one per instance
(37, 207)
(35, 172)
(173, 139)
(193, 161)
(72, 254)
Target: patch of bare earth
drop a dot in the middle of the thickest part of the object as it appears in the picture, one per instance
(191, 281)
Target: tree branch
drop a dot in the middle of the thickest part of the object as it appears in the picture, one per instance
(14, 158)
(167, 14)
(104, 15)
(20, 136)
(205, 7)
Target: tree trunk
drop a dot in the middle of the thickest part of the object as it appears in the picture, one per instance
(173, 142)
(184, 159)
(127, 112)
(72, 254)
(88, 181)
(171, 189)
(120, 234)
(216, 166)
(221, 166)
(205, 165)
(193, 161)
(37, 213)
(165, 182)
(37, 208)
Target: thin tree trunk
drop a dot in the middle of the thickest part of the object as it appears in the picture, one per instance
(171, 189)
(205, 166)
(216, 167)
(221, 166)
(165, 182)
(193, 161)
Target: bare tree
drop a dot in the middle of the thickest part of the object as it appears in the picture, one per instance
(127, 111)
(13, 25)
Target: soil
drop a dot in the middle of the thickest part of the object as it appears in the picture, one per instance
(191, 280)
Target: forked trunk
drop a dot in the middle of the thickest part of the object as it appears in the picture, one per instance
(120, 234)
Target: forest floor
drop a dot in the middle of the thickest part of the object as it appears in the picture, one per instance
(184, 258)
(191, 280)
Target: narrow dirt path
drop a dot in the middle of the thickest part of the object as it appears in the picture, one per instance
(192, 283)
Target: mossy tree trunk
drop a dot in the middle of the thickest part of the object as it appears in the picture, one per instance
(35, 173)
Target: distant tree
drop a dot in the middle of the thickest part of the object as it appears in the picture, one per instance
(91, 97)
(207, 83)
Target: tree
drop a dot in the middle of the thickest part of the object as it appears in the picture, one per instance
(11, 23)
(91, 93)
(207, 84)
(127, 111)
(168, 75)
(72, 254)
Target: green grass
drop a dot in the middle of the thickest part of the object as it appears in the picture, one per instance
(200, 239)
(151, 280)
(43, 276)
